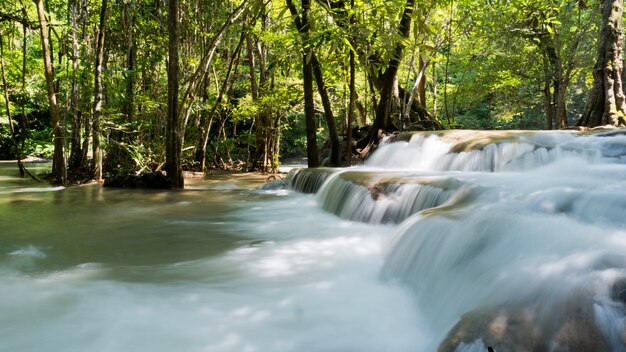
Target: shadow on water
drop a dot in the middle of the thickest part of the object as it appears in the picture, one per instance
(130, 232)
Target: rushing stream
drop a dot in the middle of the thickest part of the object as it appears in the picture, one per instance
(455, 242)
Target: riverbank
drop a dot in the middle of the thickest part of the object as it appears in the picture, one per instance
(213, 177)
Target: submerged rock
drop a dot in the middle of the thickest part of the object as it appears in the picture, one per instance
(572, 326)
(618, 291)
(151, 180)
(274, 185)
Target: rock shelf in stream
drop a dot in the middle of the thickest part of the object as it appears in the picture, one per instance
(513, 240)
(381, 198)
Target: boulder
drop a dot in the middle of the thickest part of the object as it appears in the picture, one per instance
(151, 180)
(534, 326)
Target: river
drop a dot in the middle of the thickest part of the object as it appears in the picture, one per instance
(393, 255)
(216, 267)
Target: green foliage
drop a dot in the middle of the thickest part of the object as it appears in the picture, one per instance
(130, 159)
(6, 143)
(40, 143)
(487, 69)
(294, 136)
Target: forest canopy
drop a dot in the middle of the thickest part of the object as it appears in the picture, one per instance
(242, 84)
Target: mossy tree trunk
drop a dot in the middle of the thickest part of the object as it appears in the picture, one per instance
(606, 100)
(59, 170)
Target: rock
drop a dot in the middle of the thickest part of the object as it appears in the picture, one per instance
(532, 327)
(275, 185)
(618, 290)
(156, 180)
(497, 328)
(151, 180)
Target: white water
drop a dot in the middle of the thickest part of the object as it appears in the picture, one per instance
(532, 224)
(87, 269)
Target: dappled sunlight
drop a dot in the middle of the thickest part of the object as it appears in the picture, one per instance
(302, 256)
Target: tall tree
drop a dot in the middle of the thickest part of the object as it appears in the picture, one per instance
(98, 88)
(606, 101)
(307, 78)
(58, 162)
(544, 21)
(173, 164)
(303, 25)
(304, 29)
(352, 90)
(75, 159)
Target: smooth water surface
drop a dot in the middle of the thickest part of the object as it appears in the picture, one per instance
(220, 266)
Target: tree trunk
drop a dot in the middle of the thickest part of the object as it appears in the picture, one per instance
(309, 112)
(434, 89)
(335, 148)
(58, 162)
(554, 72)
(205, 133)
(97, 104)
(547, 92)
(75, 146)
(561, 106)
(303, 26)
(202, 70)
(307, 77)
(606, 101)
(173, 164)
(416, 109)
(260, 155)
(262, 121)
(128, 110)
(421, 88)
(352, 103)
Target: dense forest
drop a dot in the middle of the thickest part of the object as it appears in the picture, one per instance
(123, 87)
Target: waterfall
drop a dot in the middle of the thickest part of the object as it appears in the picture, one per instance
(308, 181)
(512, 240)
(374, 198)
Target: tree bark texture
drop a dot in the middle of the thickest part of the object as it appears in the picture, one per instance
(173, 164)
(606, 101)
(58, 162)
(75, 159)
(333, 136)
(98, 88)
(351, 105)
(307, 78)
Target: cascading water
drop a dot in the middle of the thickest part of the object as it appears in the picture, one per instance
(456, 241)
(523, 248)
